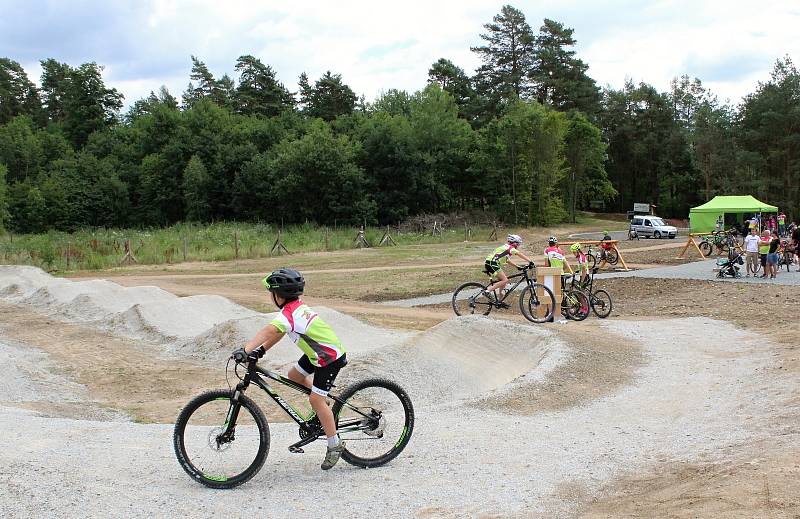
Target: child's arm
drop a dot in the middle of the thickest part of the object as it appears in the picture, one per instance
(267, 337)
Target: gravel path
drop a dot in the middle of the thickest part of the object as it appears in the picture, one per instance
(702, 270)
(690, 399)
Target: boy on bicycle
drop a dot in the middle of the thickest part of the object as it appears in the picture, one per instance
(497, 259)
(323, 354)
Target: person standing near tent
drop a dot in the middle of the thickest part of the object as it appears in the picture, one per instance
(720, 223)
(751, 251)
(763, 250)
(781, 225)
(772, 224)
(753, 223)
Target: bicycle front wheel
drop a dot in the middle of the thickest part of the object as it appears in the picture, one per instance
(537, 302)
(375, 419)
(214, 451)
(468, 299)
(705, 248)
(613, 256)
(601, 303)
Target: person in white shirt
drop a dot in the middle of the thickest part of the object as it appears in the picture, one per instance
(751, 242)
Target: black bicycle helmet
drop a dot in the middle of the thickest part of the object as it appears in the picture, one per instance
(285, 282)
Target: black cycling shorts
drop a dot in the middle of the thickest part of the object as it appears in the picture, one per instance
(323, 376)
(492, 267)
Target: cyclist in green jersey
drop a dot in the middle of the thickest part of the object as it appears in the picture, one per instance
(498, 258)
(323, 354)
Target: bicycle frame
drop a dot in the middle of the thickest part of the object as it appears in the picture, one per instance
(523, 275)
(257, 375)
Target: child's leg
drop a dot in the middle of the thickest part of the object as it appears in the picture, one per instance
(502, 281)
(324, 413)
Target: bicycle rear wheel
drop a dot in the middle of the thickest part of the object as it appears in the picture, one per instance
(210, 455)
(537, 302)
(613, 256)
(705, 248)
(601, 303)
(577, 305)
(591, 260)
(375, 419)
(468, 299)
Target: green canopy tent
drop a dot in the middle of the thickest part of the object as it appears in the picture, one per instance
(703, 218)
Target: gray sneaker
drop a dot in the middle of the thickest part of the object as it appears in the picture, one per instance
(332, 456)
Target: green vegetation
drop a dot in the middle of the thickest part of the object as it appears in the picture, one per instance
(101, 248)
(529, 138)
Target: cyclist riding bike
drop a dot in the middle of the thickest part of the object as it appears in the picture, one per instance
(323, 354)
(498, 258)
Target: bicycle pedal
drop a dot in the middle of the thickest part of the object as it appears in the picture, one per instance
(296, 450)
(504, 305)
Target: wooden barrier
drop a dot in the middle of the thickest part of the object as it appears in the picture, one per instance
(551, 278)
(690, 241)
(598, 242)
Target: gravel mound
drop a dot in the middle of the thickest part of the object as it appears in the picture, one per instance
(205, 327)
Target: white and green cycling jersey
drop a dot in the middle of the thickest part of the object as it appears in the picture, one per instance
(311, 334)
(500, 255)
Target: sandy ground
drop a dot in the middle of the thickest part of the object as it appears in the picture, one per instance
(655, 412)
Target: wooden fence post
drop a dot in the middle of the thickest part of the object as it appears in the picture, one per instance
(278, 246)
(185, 247)
(361, 239)
(236, 244)
(327, 240)
(68, 254)
(128, 258)
(493, 234)
(387, 238)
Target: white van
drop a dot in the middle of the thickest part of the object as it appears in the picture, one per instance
(652, 226)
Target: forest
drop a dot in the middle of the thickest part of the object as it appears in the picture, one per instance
(529, 138)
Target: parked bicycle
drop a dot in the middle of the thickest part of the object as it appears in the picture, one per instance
(574, 301)
(786, 257)
(536, 301)
(722, 241)
(221, 437)
(594, 256)
(599, 299)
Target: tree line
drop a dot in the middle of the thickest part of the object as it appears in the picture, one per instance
(529, 137)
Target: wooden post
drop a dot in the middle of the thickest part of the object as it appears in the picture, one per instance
(619, 255)
(128, 258)
(236, 244)
(387, 238)
(68, 254)
(278, 246)
(493, 234)
(185, 247)
(361, 239)
(327, 240)
(690, 241)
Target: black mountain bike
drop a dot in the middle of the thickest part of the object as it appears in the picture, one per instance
(222, 437)
(599, 299)
(574, 301)
(536, 301)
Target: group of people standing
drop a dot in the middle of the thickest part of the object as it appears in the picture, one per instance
(766, 249)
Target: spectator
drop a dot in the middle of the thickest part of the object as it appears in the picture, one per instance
(781, 225)
(754, 223)
(720, 223)
(751, 251)
(763, 250)
(771, 224)
(772, 255)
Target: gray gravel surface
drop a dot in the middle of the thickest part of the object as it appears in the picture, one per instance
(690, 398)
(703, 270)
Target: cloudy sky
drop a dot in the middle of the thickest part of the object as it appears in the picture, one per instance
(376, 45)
